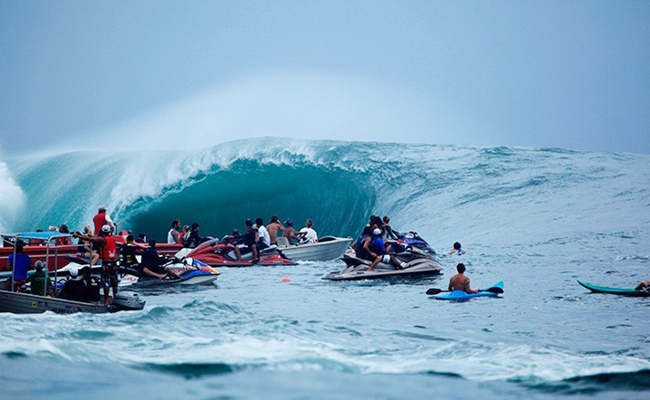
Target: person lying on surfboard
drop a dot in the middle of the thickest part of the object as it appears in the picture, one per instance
(645, 285)
(460, 281)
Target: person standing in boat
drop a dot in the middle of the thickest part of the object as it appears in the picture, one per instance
(128, 254)
(308, 234)
(289, 232)
(20, 264)
(101, 219)
(460, 281)
(108, 254)
(174, 235)
(273, 228)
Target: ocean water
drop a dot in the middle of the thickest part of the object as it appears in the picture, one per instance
(538, 219)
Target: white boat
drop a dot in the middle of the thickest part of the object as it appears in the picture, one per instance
(326, 249)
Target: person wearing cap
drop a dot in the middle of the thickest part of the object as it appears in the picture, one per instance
(74, 288)
(40, 282)
(101, 219)
(108, 254)
(272, 228)
(308, 234)
(289, 232)
(377, 250)
(65, 240)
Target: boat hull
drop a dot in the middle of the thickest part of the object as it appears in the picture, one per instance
(321, 251)
(25, 303)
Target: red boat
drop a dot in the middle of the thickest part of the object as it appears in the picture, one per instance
(218, 254)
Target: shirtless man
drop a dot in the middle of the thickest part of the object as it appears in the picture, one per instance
(289, 232)
(460, 281)
(273, 228)
(645, 285)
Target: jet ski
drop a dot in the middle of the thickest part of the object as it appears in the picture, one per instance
(191, 272)
(414, 240)
(218, 254)
(416, 262)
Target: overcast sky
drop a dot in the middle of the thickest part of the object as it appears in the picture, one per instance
(129, 74)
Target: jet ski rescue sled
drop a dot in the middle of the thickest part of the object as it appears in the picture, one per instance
(416, 263)
(610, 290)
(191, 272)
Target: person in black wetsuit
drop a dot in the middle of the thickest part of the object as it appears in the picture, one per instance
(250, 239)
(74, 288)
(194, 239)
(152, 263)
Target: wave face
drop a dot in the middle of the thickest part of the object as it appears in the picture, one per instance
(442, 191)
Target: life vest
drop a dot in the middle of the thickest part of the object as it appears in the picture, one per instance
(99, 220)
(108, 252)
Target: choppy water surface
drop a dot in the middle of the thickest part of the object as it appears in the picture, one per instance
(536, 219)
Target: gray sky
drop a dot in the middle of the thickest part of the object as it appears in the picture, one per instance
(123, 74)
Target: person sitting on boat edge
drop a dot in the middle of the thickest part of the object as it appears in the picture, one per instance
(272, 228)
(289, 232)
(174, 236)
(151, 263)
(457, 249)
(377, 249)
(40, 282)
(645, 285)
(308, 233)
(20, 265)
(460, 281)
(108, 254)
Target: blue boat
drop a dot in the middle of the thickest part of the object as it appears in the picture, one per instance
(459, 295)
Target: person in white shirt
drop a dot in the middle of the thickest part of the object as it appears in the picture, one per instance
(263, 237)
(308, 233)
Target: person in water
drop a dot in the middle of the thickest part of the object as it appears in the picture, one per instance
(273, 227)
(460, 281)
(263, 237)
(308, 234)
(457, 249)
(40, 281)
(174, 235)
(108, 254)
(377, 251)
(645, 285)
(289, 232)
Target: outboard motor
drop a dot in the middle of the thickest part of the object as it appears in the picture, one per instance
(128, 301)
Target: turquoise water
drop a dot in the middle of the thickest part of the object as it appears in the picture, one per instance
(536, 219)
